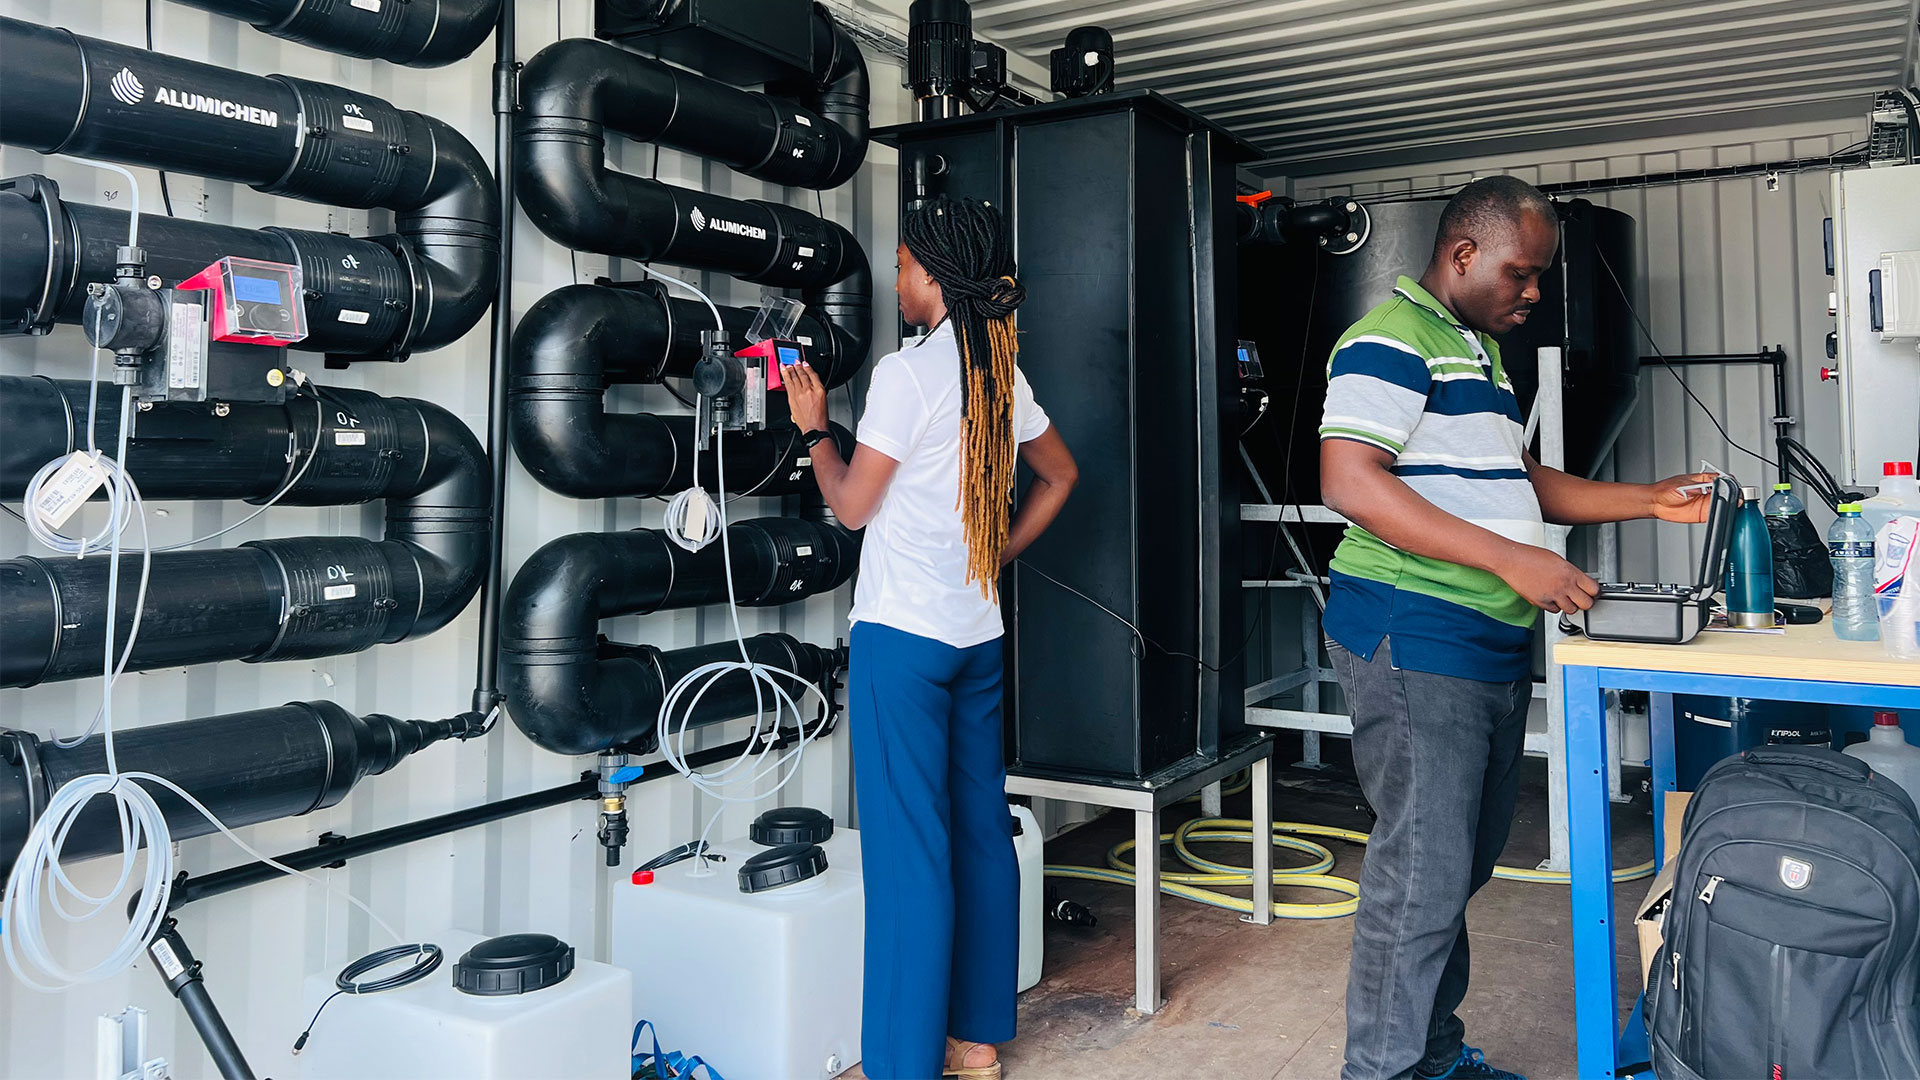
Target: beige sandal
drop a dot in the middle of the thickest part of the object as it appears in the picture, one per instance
(958, 1053)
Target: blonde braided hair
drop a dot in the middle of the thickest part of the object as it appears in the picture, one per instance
(962, 244)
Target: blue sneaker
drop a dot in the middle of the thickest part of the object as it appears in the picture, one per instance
(1471, 1065)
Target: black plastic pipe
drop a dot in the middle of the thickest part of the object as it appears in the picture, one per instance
(582, 696)
(327, 852)
(61, 92)
(181, 972)
(579, 340)
(417, 33)
(486, 679)
(247, 767)
(573, 692)
(267, 599)
(573, 91)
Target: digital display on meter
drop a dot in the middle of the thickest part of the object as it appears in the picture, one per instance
(257, 290)
(253, 301)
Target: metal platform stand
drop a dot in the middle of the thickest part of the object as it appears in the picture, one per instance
(1146, 798)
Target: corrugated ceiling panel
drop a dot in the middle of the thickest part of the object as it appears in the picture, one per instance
(1326, 85)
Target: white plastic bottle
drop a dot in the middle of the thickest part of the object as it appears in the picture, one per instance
(1887, 752)
(1856, 614)
(1896, 586)
(1898, 496)
(1029, 852)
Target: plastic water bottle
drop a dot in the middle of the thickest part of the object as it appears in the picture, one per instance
(1888, 753)
(1783, 503)
(1850, 545)
(1898, 495)
(1750, 566)
(1896, 589)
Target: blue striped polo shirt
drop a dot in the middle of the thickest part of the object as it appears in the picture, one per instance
(1411, 380)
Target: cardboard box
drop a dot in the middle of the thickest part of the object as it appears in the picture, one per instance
(1649, 919)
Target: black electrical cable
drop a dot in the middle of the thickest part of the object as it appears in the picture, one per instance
(166, 196)
(1671, 370)
(347, 982)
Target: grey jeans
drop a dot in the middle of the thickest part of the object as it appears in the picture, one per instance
(1438, 759)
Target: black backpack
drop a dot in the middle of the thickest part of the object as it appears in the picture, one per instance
(1792, 942)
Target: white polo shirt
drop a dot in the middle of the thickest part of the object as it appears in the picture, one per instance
(913, 562)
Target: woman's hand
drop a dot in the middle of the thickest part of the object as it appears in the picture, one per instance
(806, 396)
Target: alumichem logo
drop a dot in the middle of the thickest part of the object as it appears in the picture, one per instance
(126, 88)
(702, 223)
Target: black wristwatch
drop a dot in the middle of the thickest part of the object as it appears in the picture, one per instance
(812, 437)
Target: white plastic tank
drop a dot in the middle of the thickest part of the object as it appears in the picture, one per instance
(764, 985)
(1899, 495)
(1029, 849)
(1888, 753)
(579, 1027)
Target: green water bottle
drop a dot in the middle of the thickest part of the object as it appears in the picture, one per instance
(1750, 566)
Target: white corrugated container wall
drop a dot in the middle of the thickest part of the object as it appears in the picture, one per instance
(540, 871)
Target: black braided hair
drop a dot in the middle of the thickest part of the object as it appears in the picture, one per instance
(963, 245)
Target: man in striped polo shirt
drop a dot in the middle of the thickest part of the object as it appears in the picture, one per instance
(1435, 591)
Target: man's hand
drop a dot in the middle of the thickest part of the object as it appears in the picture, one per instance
(806, 397)
(1668, 503)
(1548, 581)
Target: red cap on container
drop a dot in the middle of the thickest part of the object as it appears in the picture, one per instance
(1897, 468)
(1886, 719)
(645, 877)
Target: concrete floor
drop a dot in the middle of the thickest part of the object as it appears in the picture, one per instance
(1265, 1003)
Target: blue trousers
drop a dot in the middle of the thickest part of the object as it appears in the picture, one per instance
(942, 885)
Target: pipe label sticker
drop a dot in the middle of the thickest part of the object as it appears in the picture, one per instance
(70, 486)
(357, 123)
(349, 438)
(802, 551)
(806, 252)
(340, 592)
(357, 318)
(170, 964)
(365, 5)
(212, 106)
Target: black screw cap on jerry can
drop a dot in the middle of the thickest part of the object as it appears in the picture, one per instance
(791, 825)
(788, 864)
(513, 964)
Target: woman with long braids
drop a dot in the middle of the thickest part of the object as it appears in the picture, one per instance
(931, 480)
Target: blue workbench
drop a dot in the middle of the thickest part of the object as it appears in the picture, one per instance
(1806, 664)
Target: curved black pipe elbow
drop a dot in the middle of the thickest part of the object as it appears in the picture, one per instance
(295, 598)
(416, 33)
(573, 693)
(579, 340)
(842, 94)
(282, 136)
(573, 91)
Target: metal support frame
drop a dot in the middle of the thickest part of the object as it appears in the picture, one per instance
(1595, 974)
(1146, 799)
